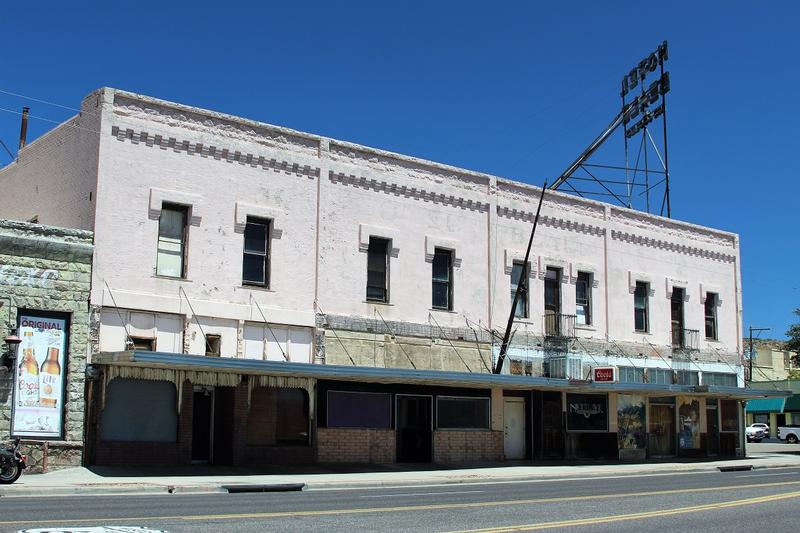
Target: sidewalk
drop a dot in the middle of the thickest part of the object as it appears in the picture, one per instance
(107, 481)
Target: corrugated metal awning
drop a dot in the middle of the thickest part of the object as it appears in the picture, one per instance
(250, 367)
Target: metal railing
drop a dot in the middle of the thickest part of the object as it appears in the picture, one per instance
(685, 339)
(559, 325)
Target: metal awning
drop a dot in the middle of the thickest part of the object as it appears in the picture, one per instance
(250, 367)
(766, 405)
(792, 404)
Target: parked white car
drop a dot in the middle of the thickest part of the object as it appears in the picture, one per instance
(763, 426)
(790, 434)
(754, 433)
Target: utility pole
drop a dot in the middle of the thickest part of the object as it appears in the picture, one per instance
(752, 329)
(522, 288)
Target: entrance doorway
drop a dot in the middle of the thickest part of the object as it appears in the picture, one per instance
(514, 428)
(202, 422)
(712, 420)
(414, 428)
(552, 426)
(224, 399)
(662, 429)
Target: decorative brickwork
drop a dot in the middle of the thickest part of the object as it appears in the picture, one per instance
(356, 445)
(553, 222)
(408, 192)
(214, 152)
(641, 240)
(467, 446)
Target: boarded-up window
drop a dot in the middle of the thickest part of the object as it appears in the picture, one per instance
(462, 413)
(275, 341)
(277, 416)
(140, 410)
(359, 410)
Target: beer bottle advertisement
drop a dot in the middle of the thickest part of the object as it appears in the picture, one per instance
(39, 383)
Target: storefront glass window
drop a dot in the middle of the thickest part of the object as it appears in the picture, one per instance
(462, 413)
(587, 412)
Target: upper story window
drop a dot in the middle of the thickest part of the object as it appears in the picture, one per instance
(641, 317)
(553, 323)
(711, 315)
(661, 376)
(631, 374)
(679, 336)
(213, 345)
(142, 343)
(583, 299)
(171, 260)
(442, 295)
(378, 270)
(517, 273)
(687, 377)
(255, 264)
(723, 379)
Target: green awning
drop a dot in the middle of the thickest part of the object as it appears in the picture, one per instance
(767, 405)
(792, 403)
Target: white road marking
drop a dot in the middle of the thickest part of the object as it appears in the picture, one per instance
(421, 493)
(765, 475)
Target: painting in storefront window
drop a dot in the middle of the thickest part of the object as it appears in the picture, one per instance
(631, 421)
(689, 423)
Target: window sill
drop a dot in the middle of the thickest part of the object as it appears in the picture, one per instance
(173, 278)
(637, 332)
(713, 341)
(375, 302)
(253, 288)
(442, 310)
(586, 328)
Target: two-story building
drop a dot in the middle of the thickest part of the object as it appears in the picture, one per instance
(265, 295)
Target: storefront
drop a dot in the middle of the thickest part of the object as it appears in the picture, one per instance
(183, 409)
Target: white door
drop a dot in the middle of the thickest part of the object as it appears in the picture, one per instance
(514, 428)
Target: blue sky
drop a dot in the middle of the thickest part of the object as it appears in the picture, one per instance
(516, 89)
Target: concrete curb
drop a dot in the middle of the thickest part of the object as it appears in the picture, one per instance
(335, 485)
(12, 491)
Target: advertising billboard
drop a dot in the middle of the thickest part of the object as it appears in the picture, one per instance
(38, 406)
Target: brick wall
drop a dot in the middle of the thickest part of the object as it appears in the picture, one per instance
(460, 446)
(336, 445)
(55, 176)
(43, 268)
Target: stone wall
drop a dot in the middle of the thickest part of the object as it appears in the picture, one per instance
(467, 446)
(375, 446)
(44, 268)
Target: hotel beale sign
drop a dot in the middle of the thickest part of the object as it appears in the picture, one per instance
(605, 374)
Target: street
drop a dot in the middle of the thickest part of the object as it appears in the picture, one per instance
(715, 501)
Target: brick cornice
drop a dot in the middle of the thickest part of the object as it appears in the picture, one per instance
(407, 192)
(553, 222)
(650, 242)
(216, 152)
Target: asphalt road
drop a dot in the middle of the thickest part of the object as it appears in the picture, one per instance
(713, 501)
